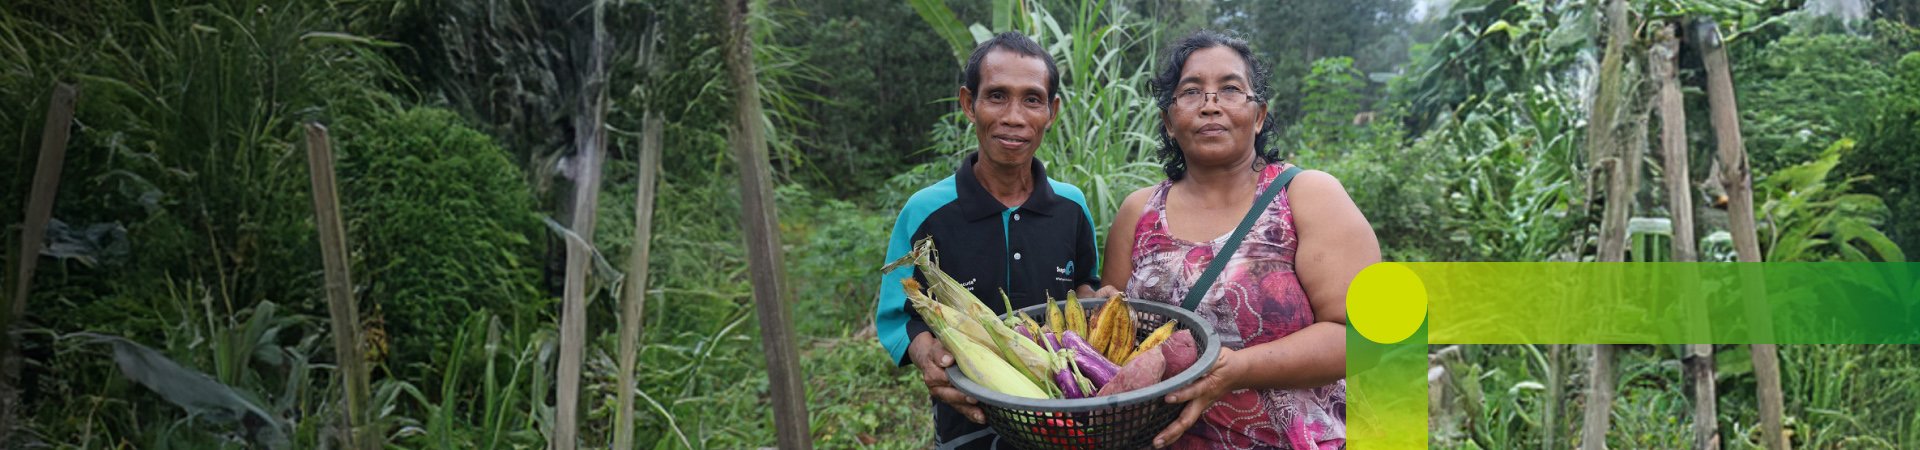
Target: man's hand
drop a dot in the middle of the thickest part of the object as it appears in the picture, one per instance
(933, 359)
(1105, 292)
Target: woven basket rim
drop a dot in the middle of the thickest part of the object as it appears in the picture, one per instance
(1203, 336)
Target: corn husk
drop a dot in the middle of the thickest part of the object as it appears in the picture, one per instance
(1076, 316)
(1154, 339)
(984, 367)
(929, 308)
(1024, 354)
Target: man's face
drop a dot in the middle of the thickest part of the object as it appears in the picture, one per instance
(1012, 109)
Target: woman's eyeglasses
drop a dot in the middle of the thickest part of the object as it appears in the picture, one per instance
(1193, 98)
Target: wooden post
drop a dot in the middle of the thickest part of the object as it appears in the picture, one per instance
(590, 148)
(1673, 140)
(1698, 357)
(341, 309)
(1738, 177)
(1556, 397)
(1609, 152)
(760, 222)
(1599, 399)
(46, 183)
(633, 294)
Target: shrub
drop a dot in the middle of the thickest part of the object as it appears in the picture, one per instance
(440, 221)
(1890, 151)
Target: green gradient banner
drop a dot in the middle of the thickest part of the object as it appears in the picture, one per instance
(1396, 309)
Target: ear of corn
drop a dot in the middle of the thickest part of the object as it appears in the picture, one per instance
(1076, 316)
(1056, 319)
(1023, 353)
(1120, 342)
(930, 309)
(1104, 335)
(1159, 335)
(1102, 326)
(984, 367)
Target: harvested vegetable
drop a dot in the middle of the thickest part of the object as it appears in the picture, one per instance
(1180, 351)
(953, 317)
(1069, 382)
(1120, 329)
(987, 369)
(1159, 335)
(1056, 319)
(1095, 367)
(1021, 353)
(1076, 317)
(1102, 336)
(1143, 371)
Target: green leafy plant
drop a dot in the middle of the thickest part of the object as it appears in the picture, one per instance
(1891, 147)
(1811, 217)
(440, 218)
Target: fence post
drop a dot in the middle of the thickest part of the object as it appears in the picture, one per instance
(761, 224)
(341, 308)
(46, 183)
(1738, 178)
(633, 300)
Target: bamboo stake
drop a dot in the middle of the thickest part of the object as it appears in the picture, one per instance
(1556, 396)
(46, 184)
(760, 220)
(1599, 399)
(1738, 177)
(341, 308)
(633, 294)
(1698, 357)
(590, 140)
(1608, 152)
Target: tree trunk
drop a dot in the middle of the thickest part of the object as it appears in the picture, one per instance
(1739, 184)
(1599, 411)
(760, 222)
(46, 186)
(1607, 148)
(1556, 397)
(342, 309)
(633, 292)
(1607, 151)
(1698, 357)
(590, 148)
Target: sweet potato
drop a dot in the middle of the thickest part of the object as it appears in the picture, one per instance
(1180, 352)
(1141, 371)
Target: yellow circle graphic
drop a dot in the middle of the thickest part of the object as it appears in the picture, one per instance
(1387, 302)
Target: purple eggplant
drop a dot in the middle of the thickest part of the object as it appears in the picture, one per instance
(1097, 368)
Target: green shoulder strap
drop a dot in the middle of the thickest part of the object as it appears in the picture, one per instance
(1205, 283)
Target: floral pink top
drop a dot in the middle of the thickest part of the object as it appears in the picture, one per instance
(1256, 299)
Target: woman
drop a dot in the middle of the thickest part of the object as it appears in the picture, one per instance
(1279, 306)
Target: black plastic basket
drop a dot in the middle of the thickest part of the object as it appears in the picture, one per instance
(1126, 420)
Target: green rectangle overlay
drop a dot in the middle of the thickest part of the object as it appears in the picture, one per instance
(1598, 303)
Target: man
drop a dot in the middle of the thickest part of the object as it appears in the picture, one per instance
(998, 224)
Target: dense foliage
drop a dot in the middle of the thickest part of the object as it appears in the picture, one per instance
(442, 221)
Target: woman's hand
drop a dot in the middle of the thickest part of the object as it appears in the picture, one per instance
(1200, 395)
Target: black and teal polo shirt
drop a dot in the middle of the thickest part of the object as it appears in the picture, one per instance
(1044, 247)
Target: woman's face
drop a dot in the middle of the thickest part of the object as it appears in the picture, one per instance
(1212, 124)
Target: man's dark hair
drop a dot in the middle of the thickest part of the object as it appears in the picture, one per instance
(1173, 160)
(1013, 42)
